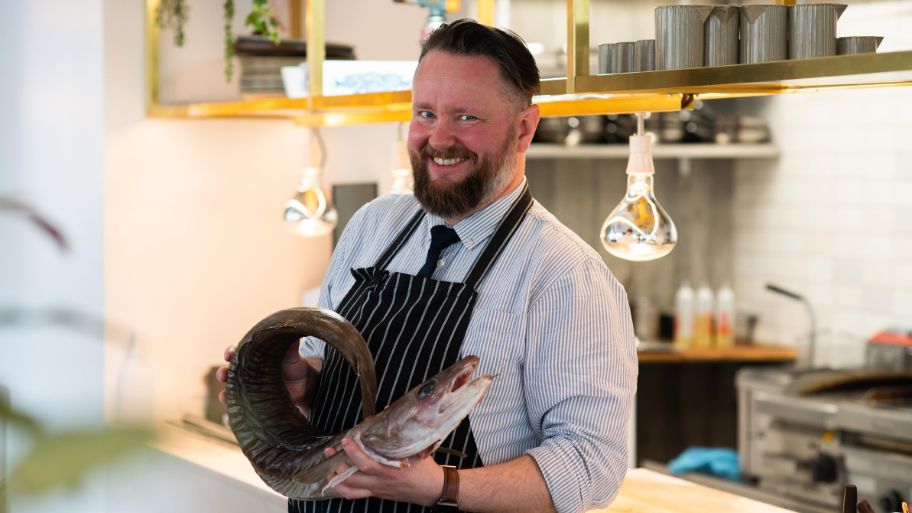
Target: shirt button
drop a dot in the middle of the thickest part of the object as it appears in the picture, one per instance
(441, 263)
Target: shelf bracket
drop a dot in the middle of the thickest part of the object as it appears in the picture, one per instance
(314, 25)
(577, 42)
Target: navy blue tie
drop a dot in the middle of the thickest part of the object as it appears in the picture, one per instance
(441, 237)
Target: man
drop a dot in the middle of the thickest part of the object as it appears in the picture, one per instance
(511, 285)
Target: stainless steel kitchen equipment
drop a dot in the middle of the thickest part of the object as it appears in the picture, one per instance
(616, 57)
(679, 35)
(644, 55)
(890, 350)
(720, 45)
(858, 44)
(806, 434)
(764, 33)
(812, 30)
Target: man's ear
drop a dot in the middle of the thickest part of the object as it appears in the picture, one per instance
(528, 122)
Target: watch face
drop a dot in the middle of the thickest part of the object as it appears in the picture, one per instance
(445, 507)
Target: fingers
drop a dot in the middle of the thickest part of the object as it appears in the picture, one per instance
(223, 398)
(229, 353)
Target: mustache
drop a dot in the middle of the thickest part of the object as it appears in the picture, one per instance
(453, 152)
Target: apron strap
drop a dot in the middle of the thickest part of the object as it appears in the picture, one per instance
(500, 238)
(400, 239)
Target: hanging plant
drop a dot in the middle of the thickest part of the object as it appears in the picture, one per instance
(172, 14)
(263, 21)
(229, 39)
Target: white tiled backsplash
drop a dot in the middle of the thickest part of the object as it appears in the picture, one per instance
(832, 218)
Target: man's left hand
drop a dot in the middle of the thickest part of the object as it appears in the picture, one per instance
(421, 482)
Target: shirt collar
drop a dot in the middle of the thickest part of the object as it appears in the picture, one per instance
(481, 225)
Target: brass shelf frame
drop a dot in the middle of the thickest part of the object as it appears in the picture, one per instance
(580, 93)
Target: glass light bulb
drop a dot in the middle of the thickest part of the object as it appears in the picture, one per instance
(401, 176)
(308, 212)
(402, 182)
(639, 229)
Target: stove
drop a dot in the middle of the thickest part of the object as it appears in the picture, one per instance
(805, 434)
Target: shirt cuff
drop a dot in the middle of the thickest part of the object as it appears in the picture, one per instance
(560, 466)
(311, 348)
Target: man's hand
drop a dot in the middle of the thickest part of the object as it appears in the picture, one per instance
(421, 482)
(300, 376)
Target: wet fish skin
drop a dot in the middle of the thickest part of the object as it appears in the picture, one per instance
(287, 451)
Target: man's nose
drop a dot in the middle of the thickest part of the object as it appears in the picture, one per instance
(442, 135)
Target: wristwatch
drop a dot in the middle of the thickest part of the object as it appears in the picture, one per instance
(449, 500)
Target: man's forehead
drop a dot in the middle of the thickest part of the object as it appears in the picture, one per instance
(441, 74)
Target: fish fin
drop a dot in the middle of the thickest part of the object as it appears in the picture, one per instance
(339, 479)
(319, 471)
(378, 457)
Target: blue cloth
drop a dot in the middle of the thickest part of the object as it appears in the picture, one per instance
(720, 462)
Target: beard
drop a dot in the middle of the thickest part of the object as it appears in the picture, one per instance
(449, 200)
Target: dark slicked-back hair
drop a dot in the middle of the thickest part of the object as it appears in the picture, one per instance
(468, 37)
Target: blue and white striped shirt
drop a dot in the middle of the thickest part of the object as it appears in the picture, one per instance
(551, 322)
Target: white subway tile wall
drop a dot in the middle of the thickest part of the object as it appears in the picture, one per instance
(832, 218)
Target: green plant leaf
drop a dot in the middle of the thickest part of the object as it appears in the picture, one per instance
(63, 459)
(18, 418)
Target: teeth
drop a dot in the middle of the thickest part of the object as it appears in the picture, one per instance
(447, 162)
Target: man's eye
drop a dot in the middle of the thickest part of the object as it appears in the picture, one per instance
(467, 117)
(426, 391)
(425, 114)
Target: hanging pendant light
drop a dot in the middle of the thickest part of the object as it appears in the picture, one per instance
(639, 229)
(401, 176)
(309, 213)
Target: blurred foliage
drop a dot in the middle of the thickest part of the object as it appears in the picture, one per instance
(57, 459)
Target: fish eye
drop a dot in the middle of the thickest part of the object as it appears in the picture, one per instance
(426, 390)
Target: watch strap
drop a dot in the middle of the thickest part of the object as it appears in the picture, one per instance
(449, 499)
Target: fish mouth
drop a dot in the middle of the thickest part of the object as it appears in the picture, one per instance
(464, 392)
(463, 376)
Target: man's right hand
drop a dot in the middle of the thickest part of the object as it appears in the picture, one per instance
(300, 375)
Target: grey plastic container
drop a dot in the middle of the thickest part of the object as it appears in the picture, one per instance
(679, 35)
(812, 30)
(720, 42)
(764, 33)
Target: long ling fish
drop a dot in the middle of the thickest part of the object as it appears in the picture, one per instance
(287, 451)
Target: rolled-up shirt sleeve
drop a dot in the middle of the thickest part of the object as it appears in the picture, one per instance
(580, 379)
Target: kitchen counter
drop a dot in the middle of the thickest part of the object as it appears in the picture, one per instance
(642, 491)
(648, 491)
(665, 352)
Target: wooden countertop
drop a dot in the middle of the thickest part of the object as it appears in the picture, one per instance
(738, 353)
(646, 491)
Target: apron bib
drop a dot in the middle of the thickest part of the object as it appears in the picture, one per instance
(414, 328)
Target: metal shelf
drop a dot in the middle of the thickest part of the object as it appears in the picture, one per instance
(579, 94)
(539, 151)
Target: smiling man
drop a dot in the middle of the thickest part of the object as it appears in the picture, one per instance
(472, 265)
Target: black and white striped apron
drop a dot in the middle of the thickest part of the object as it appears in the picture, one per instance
(414, 328)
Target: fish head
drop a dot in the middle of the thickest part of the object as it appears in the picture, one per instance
(420, 419)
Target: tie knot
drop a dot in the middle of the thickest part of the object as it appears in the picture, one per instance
(442, 236)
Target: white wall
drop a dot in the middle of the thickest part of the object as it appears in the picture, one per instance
(51, 156)
(831, 219)
(196, 251)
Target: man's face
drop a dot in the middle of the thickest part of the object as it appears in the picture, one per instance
(463, 134)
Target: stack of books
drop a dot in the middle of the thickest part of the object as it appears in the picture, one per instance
(261, 62)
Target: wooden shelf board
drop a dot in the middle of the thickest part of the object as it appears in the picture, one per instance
(659, 151)
(738, 353)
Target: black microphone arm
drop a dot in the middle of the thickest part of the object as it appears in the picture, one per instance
(798, 297)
